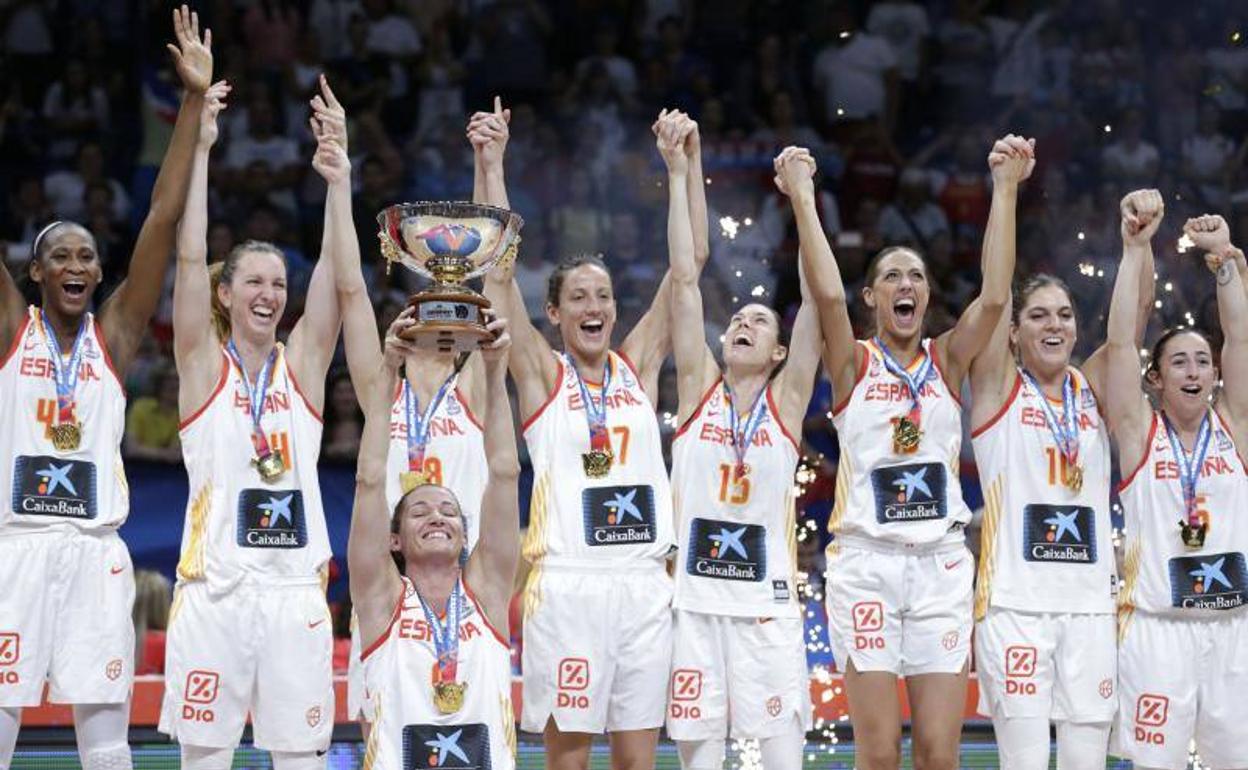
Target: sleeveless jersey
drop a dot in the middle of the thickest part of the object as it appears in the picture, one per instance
(737, 538)
(238, 527)
(81, 489)
(1044, 547)
(408, 730)
(590, 522)
(903, 499)
(454, 458)
(1160, 574)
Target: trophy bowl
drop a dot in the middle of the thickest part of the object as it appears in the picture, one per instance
(448, 242)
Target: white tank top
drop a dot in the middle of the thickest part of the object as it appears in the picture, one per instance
(82, 489)
(1044, 547)
(737, 538)
(1160, 574)
(455, 457)
(408, 730)
(902, 499)
(238, 527)
(583, 522)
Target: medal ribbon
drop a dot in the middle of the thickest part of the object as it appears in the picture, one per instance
(419, 424)
(255, 394)
(741, 439)
(595, 414)
(1189, 465)
(1066, 430)
(66, 375)
(445, 635)
(914, 382)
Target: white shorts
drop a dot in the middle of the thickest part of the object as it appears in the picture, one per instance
(1179, 680)
(597, 649)
(263, 649)
(1059, 667)
(901, 612)
(66, 600)
(753, 669)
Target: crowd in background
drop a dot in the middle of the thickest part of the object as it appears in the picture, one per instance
(898, 101)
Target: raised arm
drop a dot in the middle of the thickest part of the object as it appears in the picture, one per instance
(375, 581)
(491, 569)
(1011, 161)
(695, 364)
(125, 315)
(12, 305)
(1211, 234)
(194, 340)
(1126, 407)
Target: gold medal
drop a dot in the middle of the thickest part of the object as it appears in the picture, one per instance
(597, 463)
(270, 466)
(1074, 478)
(448, 697)
(66, 436)
(1193, 534)
(409, 480)
(906, 435)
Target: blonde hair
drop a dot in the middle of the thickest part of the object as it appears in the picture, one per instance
(223, 273)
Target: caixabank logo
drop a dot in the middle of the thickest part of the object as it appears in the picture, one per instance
(1214, 582)
(1059, 533)
(50, 486)
(463, 747)
(271, 519)
(909, 493)
(621, 515)
(727, 550)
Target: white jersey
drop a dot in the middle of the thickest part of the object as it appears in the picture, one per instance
(80, 489)
(408, 730)
(1160, 574)
(737, 539)
(590, 522)
(1044, 547)
(238, 527)
(454, 458)
(904, 499)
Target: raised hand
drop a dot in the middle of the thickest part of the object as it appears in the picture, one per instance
(192, 57)
(693, 140)
(327, 111)
(1210, 234)
(488, 132)
(329, 126)
(1142, 212)
(495, 349)
(795, 170)
(396, 349)
(214, 102)
(670, 131)
(1012, 159)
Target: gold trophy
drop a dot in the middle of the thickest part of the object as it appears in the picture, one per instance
(449, 242)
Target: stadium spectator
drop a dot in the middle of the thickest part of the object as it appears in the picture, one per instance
(66, 190)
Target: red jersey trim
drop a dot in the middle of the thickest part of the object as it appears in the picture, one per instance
(863, 360)
(459, 394)
(1148, 451)
(553, 392)
(108, 359)
(17, 339)
(225, 370)
(775, 415)
(1009, 401)
(398, 610)
(701, 405)
(954, 393)
(485, 619)
(631, 367)
(293, 381)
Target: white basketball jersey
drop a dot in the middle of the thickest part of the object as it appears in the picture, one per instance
(82, 489)
(905, 499)
(1160, 574)
(624, 516)
(737, 539)
(408, 731)
(239, 527)
(454, 458)
(1044, 547)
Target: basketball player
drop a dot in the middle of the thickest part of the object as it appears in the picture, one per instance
(249, 629)
(1182, 630)
(437, 663)
(740, 657)
(1045, 647)
(597, 627)
(67, 583)
(899, 575)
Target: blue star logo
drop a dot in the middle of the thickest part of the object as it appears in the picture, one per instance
(1065, 522)
(57, 477)
(623, 505)
(448, 744)
(278, 508)
(913, 481)
(729, 541)
(1211, 573)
